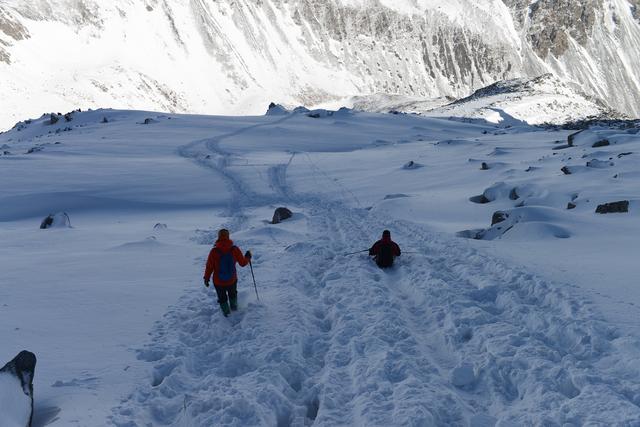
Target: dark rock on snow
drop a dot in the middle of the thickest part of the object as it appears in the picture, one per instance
(484, 166)
(571, 205)
(513, 195)
(58, 220)
(613, 207)
(571, 138)
(565, 170)
(498, 217)
(601, 143)
(411, 165)
(53, 119)
(481, 199)
(22, 367)
(281, 214)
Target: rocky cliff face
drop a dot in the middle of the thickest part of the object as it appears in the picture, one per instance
(233, 56)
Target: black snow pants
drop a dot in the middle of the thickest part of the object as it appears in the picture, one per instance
(226, 293)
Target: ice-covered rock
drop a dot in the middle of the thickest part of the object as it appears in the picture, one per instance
(57, 220)
(599, 164)
(497, 191)
(16, 391)
(411, 165)
(523, 223)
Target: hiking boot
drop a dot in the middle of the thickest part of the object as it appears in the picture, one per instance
(225, 308)
(233, 302)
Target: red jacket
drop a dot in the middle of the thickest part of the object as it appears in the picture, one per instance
(213, 262)
(375, 249)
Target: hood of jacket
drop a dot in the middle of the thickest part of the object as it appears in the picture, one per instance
(224, 245)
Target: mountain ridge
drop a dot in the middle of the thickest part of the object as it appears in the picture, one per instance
(234, 57)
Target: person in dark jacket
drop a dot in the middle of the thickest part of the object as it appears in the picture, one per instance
(221, 263)
(385, 250)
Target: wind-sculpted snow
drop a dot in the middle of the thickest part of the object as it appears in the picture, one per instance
(236, 56)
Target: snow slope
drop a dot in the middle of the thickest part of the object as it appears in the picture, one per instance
(525, 329)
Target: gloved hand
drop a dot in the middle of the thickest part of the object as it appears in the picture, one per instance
(206, 282)
(247, 255)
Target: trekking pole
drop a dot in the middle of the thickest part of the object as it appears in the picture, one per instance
(359, 252)
(254, 280)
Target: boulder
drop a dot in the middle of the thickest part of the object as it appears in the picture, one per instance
(16, 390)
(571, 205)
(411, 165)
(484, 166)
(498, 217)
(613, 207)
(281, 214)
(601, 143)
(481, 199)
(513, 195)
(58, 220)
(565, 170)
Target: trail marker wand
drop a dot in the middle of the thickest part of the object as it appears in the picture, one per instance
(359, 252)
(254, 280)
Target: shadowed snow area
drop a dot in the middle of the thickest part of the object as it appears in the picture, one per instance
(533, 321)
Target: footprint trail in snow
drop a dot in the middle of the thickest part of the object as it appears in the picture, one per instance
(450, 337)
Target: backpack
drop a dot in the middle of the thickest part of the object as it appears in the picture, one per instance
(227, 269)
(384, 259)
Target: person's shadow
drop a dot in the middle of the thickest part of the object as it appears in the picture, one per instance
(44, 415)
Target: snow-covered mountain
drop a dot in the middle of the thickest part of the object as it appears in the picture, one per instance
(235, 56)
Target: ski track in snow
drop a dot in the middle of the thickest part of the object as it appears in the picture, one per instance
(450, 336)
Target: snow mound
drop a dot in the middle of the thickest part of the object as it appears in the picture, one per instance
(463, 375)
(14, 403)
(149, 244)
(524, 223)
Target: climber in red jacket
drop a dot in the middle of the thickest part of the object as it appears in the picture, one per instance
(222, 265)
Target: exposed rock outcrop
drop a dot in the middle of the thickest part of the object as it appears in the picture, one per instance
(613, 207)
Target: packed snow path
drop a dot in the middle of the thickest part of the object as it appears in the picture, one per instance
(451, 336)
